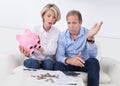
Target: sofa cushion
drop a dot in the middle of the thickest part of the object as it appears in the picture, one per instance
(8, 62)
(6, 66)
(18, 69)
(99, 50)
(104, 78)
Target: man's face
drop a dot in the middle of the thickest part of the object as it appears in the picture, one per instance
(73, 24)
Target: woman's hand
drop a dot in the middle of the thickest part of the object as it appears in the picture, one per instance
(23, 51)
(40, 49)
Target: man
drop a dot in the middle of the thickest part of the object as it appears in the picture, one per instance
(76, 48)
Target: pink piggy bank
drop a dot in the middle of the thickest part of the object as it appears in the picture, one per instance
(29, 40)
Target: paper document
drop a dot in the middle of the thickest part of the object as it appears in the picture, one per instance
(56, 77)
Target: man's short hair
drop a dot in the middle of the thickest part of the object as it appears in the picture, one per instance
(75, 12)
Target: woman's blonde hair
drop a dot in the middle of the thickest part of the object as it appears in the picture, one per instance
(54, 8)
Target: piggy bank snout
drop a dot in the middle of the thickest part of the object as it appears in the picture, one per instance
(32, 52)
(39, 46)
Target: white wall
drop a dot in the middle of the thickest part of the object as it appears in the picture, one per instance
(19, 14)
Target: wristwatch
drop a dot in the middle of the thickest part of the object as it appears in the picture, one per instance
(92, 41)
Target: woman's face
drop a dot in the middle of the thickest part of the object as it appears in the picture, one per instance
(49, 19)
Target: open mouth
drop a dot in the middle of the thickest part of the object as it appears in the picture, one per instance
(50, 23)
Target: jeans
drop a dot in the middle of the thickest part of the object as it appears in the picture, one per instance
(91, 67)
(47, 64)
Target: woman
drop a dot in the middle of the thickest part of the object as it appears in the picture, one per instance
(48, 39)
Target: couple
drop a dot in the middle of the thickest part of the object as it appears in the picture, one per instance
(74, 48)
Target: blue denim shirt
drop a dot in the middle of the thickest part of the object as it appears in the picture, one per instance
(68, 47)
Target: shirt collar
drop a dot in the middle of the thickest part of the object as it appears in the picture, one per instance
(43, 30)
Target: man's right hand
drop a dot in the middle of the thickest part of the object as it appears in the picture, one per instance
(76, 61)
(23, 51)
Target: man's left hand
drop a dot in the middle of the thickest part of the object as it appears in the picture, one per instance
(94, 30)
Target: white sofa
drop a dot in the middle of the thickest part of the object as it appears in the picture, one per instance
(11, 63)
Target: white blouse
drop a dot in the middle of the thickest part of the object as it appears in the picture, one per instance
(48, 41)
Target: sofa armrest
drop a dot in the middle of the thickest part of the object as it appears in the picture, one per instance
(112, 68)
(8, 62)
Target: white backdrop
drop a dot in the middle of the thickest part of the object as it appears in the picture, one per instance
(16, 15)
